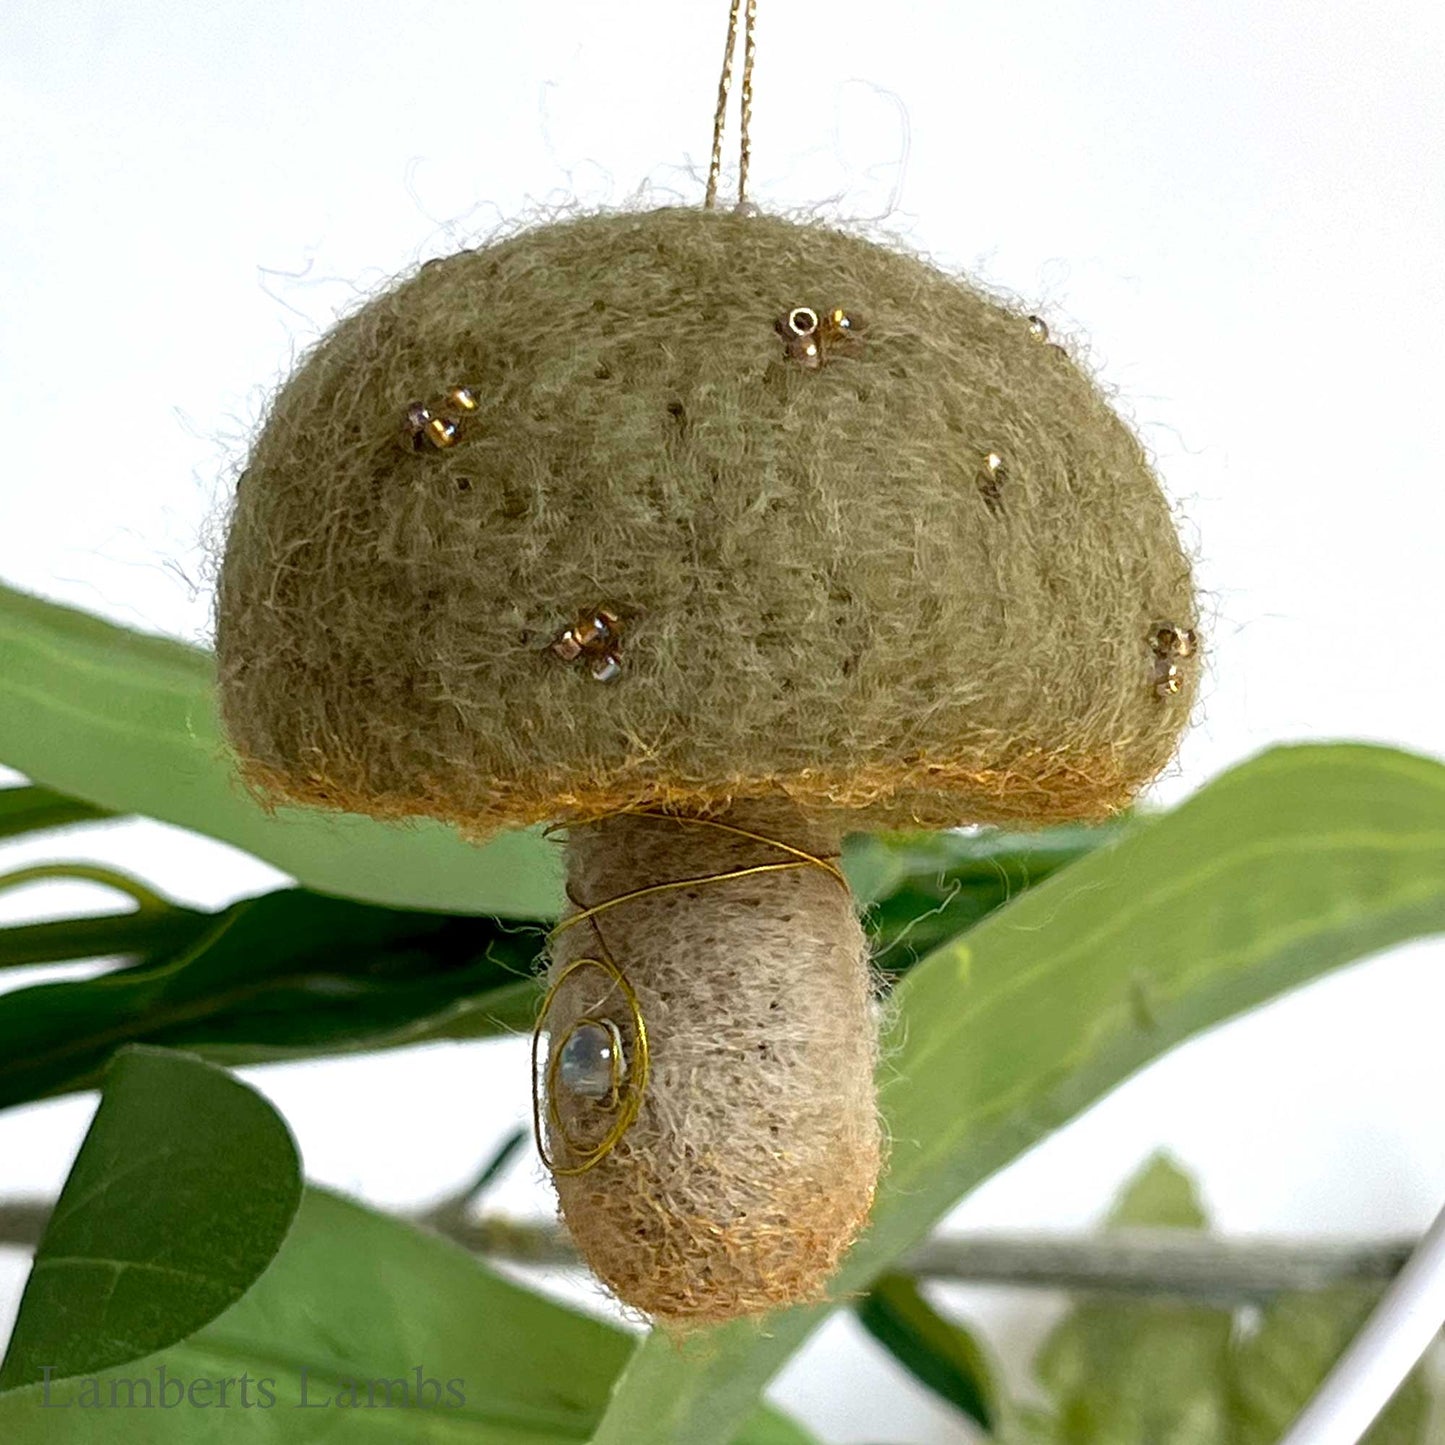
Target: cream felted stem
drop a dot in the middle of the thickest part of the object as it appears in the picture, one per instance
(754, 1155)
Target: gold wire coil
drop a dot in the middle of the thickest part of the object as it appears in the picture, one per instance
(628, 1101)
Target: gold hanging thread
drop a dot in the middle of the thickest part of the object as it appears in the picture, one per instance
(748, 11)
(628, 1100)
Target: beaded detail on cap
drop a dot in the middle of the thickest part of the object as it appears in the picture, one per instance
(812, 339)
(1171, 645)
(1039, 330)
(596, 639)
(437, 424)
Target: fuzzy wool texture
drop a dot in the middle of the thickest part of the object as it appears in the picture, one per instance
(821, 594)
(754, 1157)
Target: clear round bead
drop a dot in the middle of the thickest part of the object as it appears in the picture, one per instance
(590, 1061)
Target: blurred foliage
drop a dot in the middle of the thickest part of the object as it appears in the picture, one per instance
(1159, 1372)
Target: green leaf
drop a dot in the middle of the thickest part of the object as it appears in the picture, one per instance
(155, 923)
(27, 809)
(179, 1198)
(357, 1296)
(288, 975)
(110, 935)
(1160, 1196)
(127, 721)
(1142, 1373)
(1292, 864)
(936, 1351)
(1282, 1362)
(924, 889)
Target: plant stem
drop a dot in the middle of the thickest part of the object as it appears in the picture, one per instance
(1161, 1262)
(1146, 1262)
(22, 1222)
(1134, 1262)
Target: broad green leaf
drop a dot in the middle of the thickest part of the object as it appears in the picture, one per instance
(936, 1351)
(1142, 1372)
(1292, 864)
(179, 1198)
(923, 889)
(291, 974)
(126, 721)
(26, 809)
(355, 1296)
(1281, 1363)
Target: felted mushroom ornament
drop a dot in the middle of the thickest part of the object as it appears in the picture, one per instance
(710, 535)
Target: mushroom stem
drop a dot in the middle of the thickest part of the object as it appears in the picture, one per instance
(751, 1159)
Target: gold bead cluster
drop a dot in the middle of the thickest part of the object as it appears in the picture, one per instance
(812, 338)
(434, 426)
(1170, 646)
(1039, 330)
(595, 639)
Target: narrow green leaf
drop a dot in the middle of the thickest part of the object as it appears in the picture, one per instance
(127, 721)
(1284, 1360)
(1292, 864)
(146, 899)
(179, 1198)
(291, 974)
(494, 1166)
(938, 1352)
(28, 809)
(112, 935)
(354, 1300)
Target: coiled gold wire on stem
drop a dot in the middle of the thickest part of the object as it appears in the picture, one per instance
(627, 1100)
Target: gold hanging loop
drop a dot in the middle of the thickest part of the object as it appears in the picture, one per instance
(747, 10)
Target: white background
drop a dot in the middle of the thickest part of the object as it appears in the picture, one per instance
(1239, 206)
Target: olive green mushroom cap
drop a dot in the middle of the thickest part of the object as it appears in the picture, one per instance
(656, 554)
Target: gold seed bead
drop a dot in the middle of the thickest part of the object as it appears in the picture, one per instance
(991, 475)
(802, 321)
(567, 647)
(441, 432)
(413, 426)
